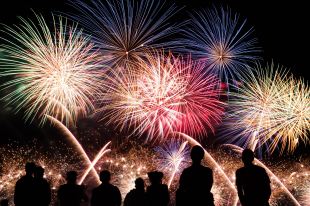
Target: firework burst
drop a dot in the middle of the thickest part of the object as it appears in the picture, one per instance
(272, 108)
(52, 72)
(172, 158)
(166, 94)
(221, 38)
(124, 29)
(294, 124)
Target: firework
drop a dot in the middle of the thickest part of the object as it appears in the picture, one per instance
(78, 147)
(127, 166)
(221, 38)
(49, 72)
(103, 151)
(123, 30)
(130, 160)
(294, 121)
(55, 164)
(270, 108)
(172, 158)
(167, 94)
(305, 199)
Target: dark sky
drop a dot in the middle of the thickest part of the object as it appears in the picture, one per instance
(280, 26)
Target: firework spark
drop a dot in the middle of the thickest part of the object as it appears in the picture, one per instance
(167, 94)
(219, 37)
(127, 166)
(78, 147)
(129, 161)
(51, 71)
(15, 157)
(271, 107)
(294, 126)
(172, 157)
(103, 151)
(306, 192)
(124, 29)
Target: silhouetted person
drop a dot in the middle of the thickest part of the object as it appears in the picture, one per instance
(71, 194)
(4, 202)
(195, 182)
(252, 182)
(157, 193)
(42, 190)
(137, 196)
(106, 194)
(23, 194)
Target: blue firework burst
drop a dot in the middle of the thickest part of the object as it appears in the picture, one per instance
(221, 38)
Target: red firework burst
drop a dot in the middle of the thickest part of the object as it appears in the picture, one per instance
(163, 94)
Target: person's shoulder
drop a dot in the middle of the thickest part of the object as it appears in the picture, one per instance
(62, 187)
(43, 181)
(240, 170)
(131, 193)
(187, 169)
(19, 181)
(207, 169)
(164, 186)
(22, 179)
(114, 187)
(258, 168)
(261, 168)
(79, 187)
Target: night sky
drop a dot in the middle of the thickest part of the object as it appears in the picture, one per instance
(280, 27)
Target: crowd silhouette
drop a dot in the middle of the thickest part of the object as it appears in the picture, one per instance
(195, 184)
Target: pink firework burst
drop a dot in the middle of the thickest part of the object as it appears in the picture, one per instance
(163, 94)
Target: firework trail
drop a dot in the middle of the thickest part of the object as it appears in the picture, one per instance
(103, 151)
(171, 158)
(271, 108)
(123, 30)
(214, 164)
(168, 94)
(275, 178)
(48, 68)
(222, 39)
(76, 143)
(270, 173)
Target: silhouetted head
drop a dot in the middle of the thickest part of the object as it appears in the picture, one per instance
(29, 168)
(197, 154)
(4, 202)
(139, 183)
(71, 177)
(105, 176)
(155, 177)
(39, 172)
(247, 156)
